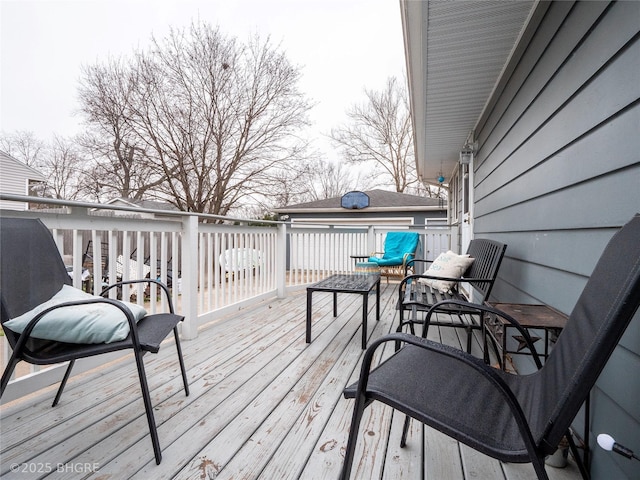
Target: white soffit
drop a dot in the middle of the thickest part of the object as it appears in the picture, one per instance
(456, 51)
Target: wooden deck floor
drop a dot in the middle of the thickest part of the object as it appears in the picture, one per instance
(263, 405)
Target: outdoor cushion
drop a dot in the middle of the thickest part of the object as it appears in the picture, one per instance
(396, 246)
(449, 265)
(89, 323)
(383, 262)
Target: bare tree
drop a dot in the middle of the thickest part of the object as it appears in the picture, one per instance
(63, 167)
(23, 146)
(120, 165)
(329, 180)
(58, 160)
(379, 135)
(203, 119)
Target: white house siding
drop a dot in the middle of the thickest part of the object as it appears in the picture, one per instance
(14, 179)
(558, 172)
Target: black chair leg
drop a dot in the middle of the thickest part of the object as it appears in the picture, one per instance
(576, 456)
(405, 431)
(538, 466)
(469, 338)
(180, 359)
(146, 397)
(358, 411)
(63, 383)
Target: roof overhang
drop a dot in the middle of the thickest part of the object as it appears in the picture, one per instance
(457, 55)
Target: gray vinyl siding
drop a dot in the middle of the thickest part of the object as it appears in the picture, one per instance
(557, 172)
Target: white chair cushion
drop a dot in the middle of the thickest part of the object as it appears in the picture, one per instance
(449, 265)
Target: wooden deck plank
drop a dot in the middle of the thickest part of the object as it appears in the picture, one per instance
(442, 459)
(407, 462)
(249, 437)
(284, 354)
(319, 355)
(478, 465)
(292, 455)
(290, 429)
(263, 405)
(153, 377)
(135, 431)
(221, 402)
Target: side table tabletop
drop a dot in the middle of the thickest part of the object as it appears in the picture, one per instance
(541, 317)
(346, 283)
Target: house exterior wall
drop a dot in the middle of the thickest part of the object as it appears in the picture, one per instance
(14, 179)
(557, 172)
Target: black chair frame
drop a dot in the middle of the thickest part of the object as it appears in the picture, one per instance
(481, 275)
(145, 335)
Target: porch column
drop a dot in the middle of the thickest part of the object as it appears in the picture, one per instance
(189, 304)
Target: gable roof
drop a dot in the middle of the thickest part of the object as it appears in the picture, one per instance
(7, 161)
(150, 204)
(379, 201)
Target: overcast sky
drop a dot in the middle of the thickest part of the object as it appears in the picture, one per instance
(342, 46)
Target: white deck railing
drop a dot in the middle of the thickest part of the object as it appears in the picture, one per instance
(212, 268)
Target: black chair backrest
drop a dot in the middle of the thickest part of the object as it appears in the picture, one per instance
(31, 268)
(488, 256)
(603, 311)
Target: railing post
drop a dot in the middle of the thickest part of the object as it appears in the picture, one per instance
(281, 260)
(189, 303)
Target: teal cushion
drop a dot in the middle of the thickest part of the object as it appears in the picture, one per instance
(92, 323)
(385, 262)
(396, 244)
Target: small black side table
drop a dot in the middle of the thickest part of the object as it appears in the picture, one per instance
(346, 283)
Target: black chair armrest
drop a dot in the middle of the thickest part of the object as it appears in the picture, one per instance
(413, 261)
(484, 308)
(162, 286)
(420, 260)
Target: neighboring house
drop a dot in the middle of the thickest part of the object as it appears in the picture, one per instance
(18, 179)
(384, 208)
(540, 103)
(131, 203)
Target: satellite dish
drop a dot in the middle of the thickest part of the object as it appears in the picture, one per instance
(354, 200)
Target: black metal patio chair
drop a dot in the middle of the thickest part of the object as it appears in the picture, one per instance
(415, 296)
(513, 418)
(31, 273)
